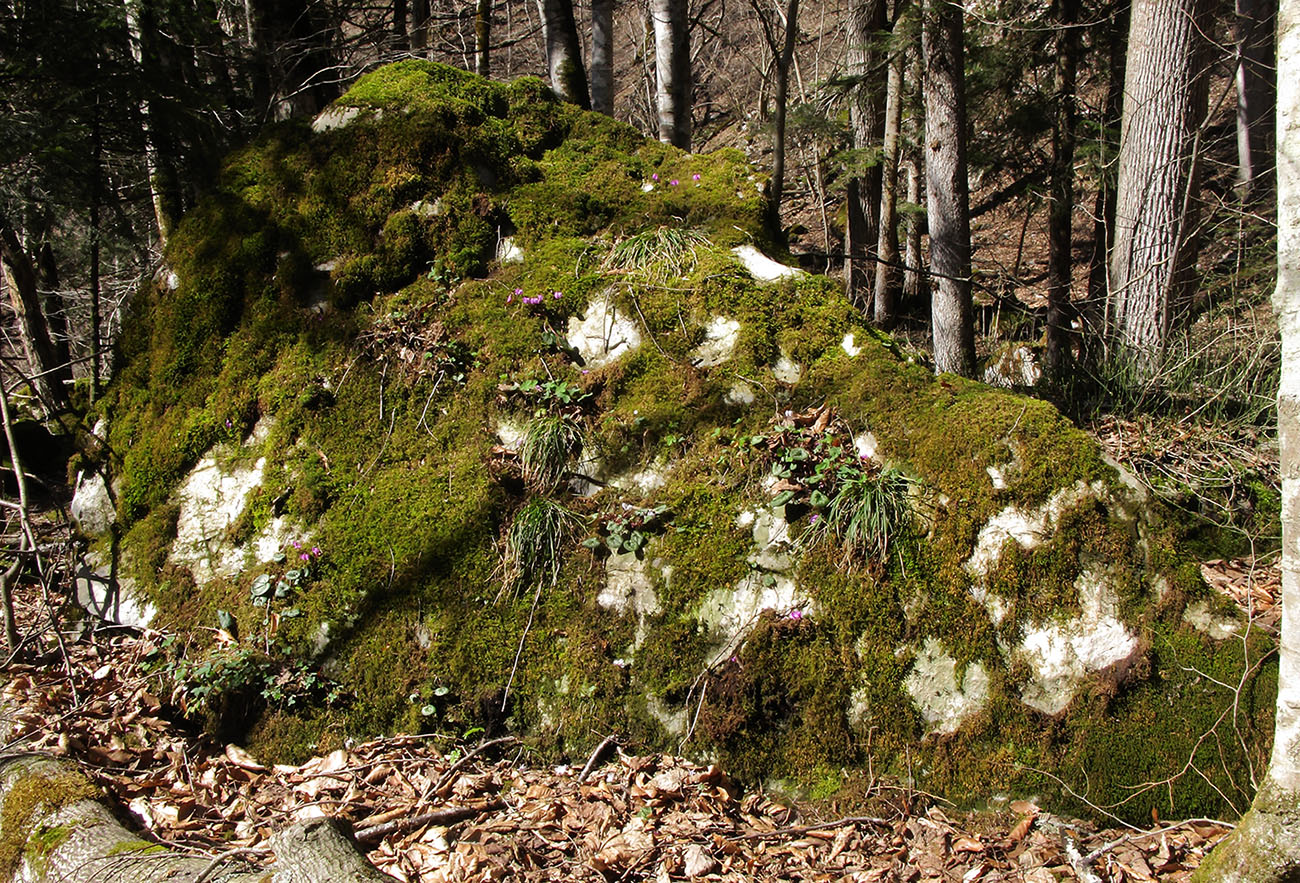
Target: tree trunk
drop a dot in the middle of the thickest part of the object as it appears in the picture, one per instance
(50, 374)
(420, 28)
(1256, 94)
(563, 53)
(863, 61)
(602, 56)
(41, 797)
(1266, 844)
(887, 275)
(1060, 224)
(161, 179)
(672, 71)
(778, 121)
(1157, 191)
(914, 282)
(1103, 211)
(483, 37)
(947, 188)
(399, 24)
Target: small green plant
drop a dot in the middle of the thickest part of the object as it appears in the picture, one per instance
(550, 444)
(535, 543)
(202, 685)
(545, 395)
(627, 530)
(288, 572)
(870, 508)
(659, 256)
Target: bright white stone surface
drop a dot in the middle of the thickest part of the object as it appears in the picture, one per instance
(932, 684)
(603, 335)
(763, 268)
(741, 393)
(508, 252)
(719, 342)
(786, 370)
(91, 507)
(849, 346)
(334, 118)
(866, 445)
(1199, 616)
(1028, 528)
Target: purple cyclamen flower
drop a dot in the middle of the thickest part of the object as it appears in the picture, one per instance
(654, 177)
(305, 557)
(812, 519)
(315, 550)
(557, 295)
(695, 177)
(673, 182)
(796, 614)
(509, 298)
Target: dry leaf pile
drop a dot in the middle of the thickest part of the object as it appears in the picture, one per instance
(428, 811)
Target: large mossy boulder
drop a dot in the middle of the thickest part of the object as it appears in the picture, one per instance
(495, 413)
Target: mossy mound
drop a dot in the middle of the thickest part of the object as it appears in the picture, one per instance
(597, 484)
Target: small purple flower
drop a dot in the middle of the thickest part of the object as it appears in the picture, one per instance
(673, 182)
(305, 557)
(654, 177)
(735, 660)
(557, 294)
(519, 292)
(695, 177)
(812, 519)
(227, 423)
(796, 614)
(509, 298)
(297, 545)
(315, 550)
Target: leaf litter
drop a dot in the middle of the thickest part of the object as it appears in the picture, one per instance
(424, 809)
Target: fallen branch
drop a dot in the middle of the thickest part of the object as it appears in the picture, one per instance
(446, 816)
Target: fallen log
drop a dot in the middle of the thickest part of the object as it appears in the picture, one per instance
(54, 825)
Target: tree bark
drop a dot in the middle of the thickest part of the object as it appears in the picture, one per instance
(1256, 94)
(50, 374)
(783, 62)
(863, 62)
(399, 23)
(947, 188)
(672, 71)
(483, 37)
(563, 53)
(1154, 251)
(162, 184)
(1266, 844)
(1103, 211)
(420, 27)
(887, 275)
(55, 828)
(1060, 224)
(602, 56)
(914, 282)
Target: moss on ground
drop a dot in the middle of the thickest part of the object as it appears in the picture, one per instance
(340, 290)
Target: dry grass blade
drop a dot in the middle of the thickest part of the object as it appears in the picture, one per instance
(659, 255)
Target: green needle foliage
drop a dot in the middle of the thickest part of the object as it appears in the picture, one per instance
(549, 445)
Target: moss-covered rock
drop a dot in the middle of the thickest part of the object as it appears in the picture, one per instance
(780, 543)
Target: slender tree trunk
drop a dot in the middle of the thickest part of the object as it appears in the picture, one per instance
(602, 56)
(166, 207)
(947, 188)
(1060, 224)
(672, 71)
(914, 281)
(1157, 192)
(11, 572)
(887, 274)
(864, 59)
(563, 52)
(1103, 211)
(50, 374)
(482, 37)
(420, 28)
(399, 23)
(1256, 93)
(778, 121)
(1265, 847)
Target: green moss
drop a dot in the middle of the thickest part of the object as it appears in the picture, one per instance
(38, 789)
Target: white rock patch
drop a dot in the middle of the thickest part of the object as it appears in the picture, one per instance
(1200, 617)
(850, 347)
(719, 342)
(508, 252)
(1029, 529)
(334, 118)
(763, 268)
(95, 593)
(603, 335)
(787, 370)
(932, 684)
(866, 445)
(733, 611)
(511, 434)
(741, 393)
(92, 507)
(1061, 654)
(629, 589)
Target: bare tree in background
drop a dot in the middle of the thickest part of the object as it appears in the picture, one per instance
(563, 52)
(865, 71)
(672, 71)
(602, 56)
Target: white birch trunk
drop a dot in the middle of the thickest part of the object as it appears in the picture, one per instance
(672, 71)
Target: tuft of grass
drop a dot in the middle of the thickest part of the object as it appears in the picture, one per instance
(659, 255)
(870, 509)
(536, 542)
(549, 446)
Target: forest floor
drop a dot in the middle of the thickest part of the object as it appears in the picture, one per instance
(427, 808)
